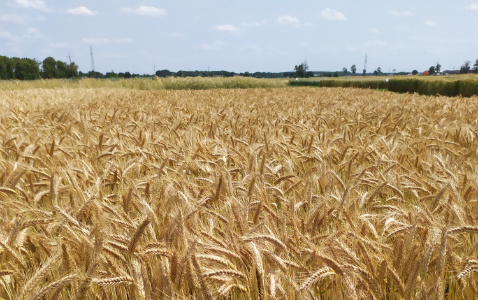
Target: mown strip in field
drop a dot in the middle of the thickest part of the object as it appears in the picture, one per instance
(464, 88)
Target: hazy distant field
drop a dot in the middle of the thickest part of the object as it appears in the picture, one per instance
(296, 193)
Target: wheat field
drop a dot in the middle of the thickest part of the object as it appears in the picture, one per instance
(288, 193)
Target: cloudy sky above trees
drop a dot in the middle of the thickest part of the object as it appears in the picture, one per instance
(239, 36)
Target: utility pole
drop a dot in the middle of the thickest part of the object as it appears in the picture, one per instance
(365, 65)
(92, 60)
(69, 56)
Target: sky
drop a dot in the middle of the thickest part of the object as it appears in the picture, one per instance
(255, 36)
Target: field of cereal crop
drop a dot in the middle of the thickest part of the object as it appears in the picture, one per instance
(293, 193)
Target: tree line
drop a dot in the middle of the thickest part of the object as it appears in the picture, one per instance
(29, 69)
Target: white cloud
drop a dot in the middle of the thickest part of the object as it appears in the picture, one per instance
(375, 44)
(61, 45)
(226, 27)
(145, 11)
(33, 33)
(332, 15)
(34, 4)
(401, 13)
(97, 41)
(217, 45)
(254, 24)
(288, 20)
(374, 30)
(13, 18)
(430, 23)
(80, 11)
(6, 35)
(472, 7)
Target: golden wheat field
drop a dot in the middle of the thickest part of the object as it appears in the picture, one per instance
(286, 193)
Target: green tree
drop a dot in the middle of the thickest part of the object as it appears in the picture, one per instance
(414, 72)
(3, 67)
(62, 69)
(476, 66)
(49, 68)
(7, 67)
(438, 68)
(71, 70)
(299, 70)
(431, 70)
(353, 68)
(465, 68)
(345, 71)
(26, 69)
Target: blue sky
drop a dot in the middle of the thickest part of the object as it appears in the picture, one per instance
(239, 36)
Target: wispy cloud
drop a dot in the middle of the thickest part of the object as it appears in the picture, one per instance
(332, 15)
(80, 11)
(237, 28)
(7, 35)
(33, 4)
(430, 23)
(401, 13)
(226, 27)
(253, 24)
(33, 33)
(472, 7)
(142, 10)
(61, 45)
(13, 18)
(216, 45)
(375, 44)
(288, 20)
(97, 41)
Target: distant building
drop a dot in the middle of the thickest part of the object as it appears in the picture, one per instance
(426, 73)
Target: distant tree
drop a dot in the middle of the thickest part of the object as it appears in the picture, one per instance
(111, 74)
(72, 70)
(414, 72)
(336, 74)
(94, 74)
(364, 72)
(465, 68)
(394, 71)
(344, 70)
(299, 70)
(7, 67)
(306, 67)
(431, 70)
(26, 69)
(438, 68)
(127, 75)
(49, 68)
(164, 73)
(62, 69)
(476, 66)
(353, 68)
(52, 68)
(379, 71)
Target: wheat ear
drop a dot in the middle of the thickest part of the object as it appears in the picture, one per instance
(54, 286)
